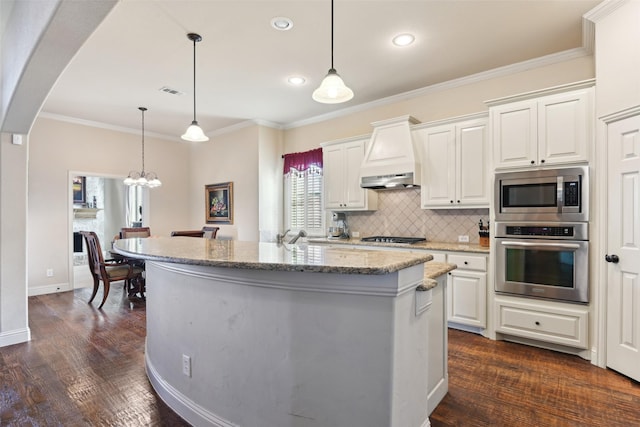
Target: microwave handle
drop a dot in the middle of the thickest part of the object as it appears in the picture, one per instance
(548, 245)
(560, 193)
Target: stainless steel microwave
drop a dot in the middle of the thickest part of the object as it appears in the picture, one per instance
(543, 195)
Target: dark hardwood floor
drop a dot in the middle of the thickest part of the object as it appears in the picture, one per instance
(85, 367)
(497, 383)
(82, 367)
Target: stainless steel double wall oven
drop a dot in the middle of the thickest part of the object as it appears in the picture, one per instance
(542, 234)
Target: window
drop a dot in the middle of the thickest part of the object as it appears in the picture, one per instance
(303, 192)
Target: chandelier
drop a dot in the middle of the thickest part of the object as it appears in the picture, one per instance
(142, 178)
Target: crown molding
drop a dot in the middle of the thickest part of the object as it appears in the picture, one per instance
(518, 67)
(106, 126)
(244, 124)
(603, 10)
(100, 125)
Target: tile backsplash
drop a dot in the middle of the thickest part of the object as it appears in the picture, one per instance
(399, 214)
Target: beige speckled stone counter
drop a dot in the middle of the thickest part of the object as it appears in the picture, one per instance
(268, 256)
(433, 270)
(427, 245)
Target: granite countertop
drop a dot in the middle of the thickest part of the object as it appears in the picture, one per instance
(433, 270)
(268, 256)
(427, 245)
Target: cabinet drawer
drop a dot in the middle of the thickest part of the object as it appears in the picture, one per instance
(468, 262)
(438, 257)
(539, 321)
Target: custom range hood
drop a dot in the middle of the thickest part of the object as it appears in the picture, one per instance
(391, 161)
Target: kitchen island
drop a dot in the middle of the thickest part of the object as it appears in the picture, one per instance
(259, 334)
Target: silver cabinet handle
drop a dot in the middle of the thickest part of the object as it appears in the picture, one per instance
(546, 245)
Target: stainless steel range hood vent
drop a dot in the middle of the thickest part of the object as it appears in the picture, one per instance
(391, 161)
(388, 182)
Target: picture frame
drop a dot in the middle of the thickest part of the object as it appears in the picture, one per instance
(218, 203)
(79, 186)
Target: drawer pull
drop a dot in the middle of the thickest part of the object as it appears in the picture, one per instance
(537, 323)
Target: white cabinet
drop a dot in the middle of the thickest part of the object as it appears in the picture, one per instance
(467, 290)
(545, 130)
(552, 322)
(437, 371)
(455, 165)
(341, 169)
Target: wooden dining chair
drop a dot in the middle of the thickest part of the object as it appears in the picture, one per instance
(130, 232)
(108, 270)
(188, 233)
(206, 232)
(210, 232)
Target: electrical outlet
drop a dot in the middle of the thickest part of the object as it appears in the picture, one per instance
(463, 238)
(49, 272)
(355, 234)
(186, 365)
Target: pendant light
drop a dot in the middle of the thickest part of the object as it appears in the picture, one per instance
(332, 90)
(142, 178)
(194, 133)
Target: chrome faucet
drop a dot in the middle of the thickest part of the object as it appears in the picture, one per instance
(280, 237)
(300, 234)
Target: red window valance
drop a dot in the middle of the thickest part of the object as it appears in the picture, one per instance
(303, 161)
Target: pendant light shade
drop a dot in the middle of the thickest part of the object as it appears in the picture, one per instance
(194, 132)
(142, 178)
(332, 90)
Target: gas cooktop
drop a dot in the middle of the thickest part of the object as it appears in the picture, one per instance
(393, 239)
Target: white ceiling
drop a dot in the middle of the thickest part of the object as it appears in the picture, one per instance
(243, 63)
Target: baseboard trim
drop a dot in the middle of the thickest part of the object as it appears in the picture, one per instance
(49, 289)
(16, 336)
(189, 410)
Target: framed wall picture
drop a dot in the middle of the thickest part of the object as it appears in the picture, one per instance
(218, 202)
(79, 190)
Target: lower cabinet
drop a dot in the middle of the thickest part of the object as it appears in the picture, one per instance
(552, 322)
(466, 290)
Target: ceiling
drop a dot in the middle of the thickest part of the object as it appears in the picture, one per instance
(243, 63)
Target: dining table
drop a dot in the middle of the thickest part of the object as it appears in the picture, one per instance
(136, 286)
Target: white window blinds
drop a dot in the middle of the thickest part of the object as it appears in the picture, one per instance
(303, 193)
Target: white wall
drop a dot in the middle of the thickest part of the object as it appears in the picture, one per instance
(270, 186)
(57, 147)
(231, 157)
(617, 36)
(441, 103)
(13, 238)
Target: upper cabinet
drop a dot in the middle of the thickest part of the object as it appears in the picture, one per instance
(541, 129)
(341, 169)
(455, 164)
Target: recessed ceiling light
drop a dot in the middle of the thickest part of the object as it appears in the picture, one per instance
(403, 39)
(296, 80)
(282, 23)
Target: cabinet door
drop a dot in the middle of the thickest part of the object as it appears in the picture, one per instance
(515, 134)
(354, 196)
(438, 167)
(563, 127)
(467, 300)
(472, 168)
(333, 167)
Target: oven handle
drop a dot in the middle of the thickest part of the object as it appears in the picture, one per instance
(548, 245)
